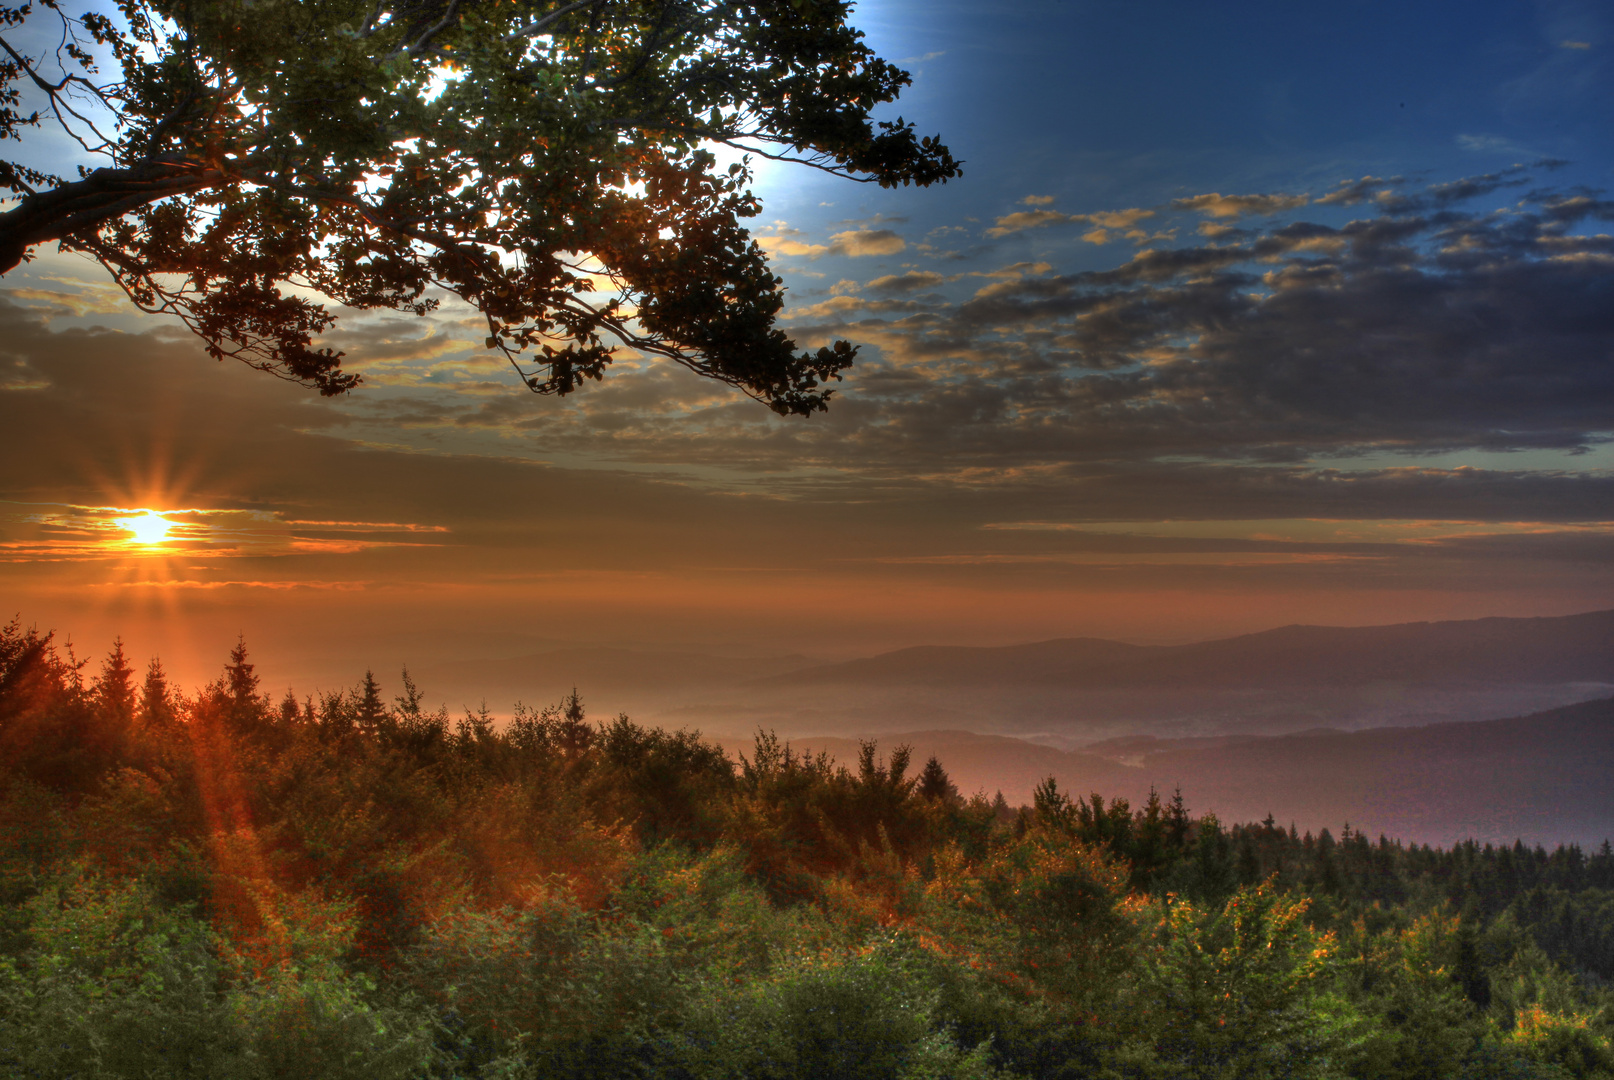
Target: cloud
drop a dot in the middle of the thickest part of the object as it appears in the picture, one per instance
(784, 245)
(842, 307)
(102, 298)
(1018, 270)
(1353, 192)
(909, 281)
(1119, 219)
(1422, 328)
(851, 243)
(16, 374)
(1232, 206)
(1037, 200)
(1492, 144)
(1021, 220)
(858, 243)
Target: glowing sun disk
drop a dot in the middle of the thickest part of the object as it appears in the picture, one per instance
(149, 528)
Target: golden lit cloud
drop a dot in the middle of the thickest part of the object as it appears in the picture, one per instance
(1119, 219)
(783, 245)
(80, 297)
(1029, 219)
(850, 243)
(1037, 219)
(1231, 206)
(861, 242)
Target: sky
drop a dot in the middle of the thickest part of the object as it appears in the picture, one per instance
(1239, 316)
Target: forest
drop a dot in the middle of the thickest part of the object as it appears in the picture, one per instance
(227, 883)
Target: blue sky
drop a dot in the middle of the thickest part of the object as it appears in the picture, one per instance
(1121, 104)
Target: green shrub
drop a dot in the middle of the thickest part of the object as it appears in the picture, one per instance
(320, 1025)
(868, 1015)
(550, 985)
(111, 985)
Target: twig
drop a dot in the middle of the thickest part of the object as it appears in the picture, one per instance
(537, 25)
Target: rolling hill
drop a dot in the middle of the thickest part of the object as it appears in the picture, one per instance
(1565, 649)
(1545, 778)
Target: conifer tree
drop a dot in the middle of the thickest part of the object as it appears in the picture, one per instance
(240, 684)
(370, 711)
(156, 699)
(114, 689)
(934, 783)
(244, 710)
(573, 734)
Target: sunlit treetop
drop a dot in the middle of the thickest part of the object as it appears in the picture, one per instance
(546, 162)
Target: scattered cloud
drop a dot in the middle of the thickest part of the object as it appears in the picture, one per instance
(1492, 144)
(1021, 220)
(877, 219)
(909, 281)
(1232, 206)
(1352, 192)
(850, 243)
(1241, 371)
(1119, 219)
(84, 299)
(858, 243)
(784, 245)
(1018, 270)
(15, 374)
(1272, 345)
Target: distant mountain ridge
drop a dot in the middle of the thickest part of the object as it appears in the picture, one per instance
(543, 677)
(1562, 649)
(1547, 778)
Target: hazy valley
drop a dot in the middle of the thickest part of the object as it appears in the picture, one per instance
(1430, 732)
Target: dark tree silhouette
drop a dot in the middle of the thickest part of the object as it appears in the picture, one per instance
(545, 161)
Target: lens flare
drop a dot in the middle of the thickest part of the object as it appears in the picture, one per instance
(150, 528)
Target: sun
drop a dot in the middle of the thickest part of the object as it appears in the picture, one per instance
(149, 528)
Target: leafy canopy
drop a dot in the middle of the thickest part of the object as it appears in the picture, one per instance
(547, 162)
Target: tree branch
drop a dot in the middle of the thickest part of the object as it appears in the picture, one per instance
(537, 25)
(104, 195)
(54, 92)
(431, 32)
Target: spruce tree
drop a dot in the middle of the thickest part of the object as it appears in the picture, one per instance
(114, 690)
(156, 699)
